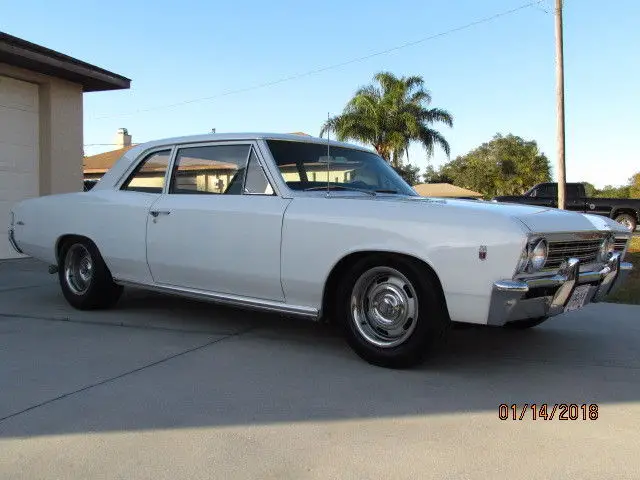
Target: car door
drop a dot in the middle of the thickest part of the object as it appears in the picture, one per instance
(574, 200)
(218, 226)
(122, 215)
(544, 195)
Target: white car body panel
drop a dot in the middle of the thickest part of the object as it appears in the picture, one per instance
(427, 229)
(279, 250)
(221, 243)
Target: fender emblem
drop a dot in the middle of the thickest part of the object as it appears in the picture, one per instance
(482, 252)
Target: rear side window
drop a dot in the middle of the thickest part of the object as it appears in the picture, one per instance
(547, 190)
(573, 190)
(149, 176)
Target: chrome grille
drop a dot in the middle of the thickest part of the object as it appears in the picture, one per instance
(620, 244)
(584, 250)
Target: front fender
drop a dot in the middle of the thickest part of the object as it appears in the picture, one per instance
(318, 233)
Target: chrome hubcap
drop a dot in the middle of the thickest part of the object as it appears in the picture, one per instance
(78, 269)
(384, 307)
(627, 223)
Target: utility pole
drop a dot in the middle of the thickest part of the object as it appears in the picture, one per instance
(562, 185)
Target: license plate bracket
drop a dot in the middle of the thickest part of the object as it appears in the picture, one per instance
(578, 298)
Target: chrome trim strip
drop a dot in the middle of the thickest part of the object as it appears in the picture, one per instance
(560, 277)
(511, 286)
(585, 235)
(227, 299)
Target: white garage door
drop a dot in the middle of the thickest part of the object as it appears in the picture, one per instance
(19, 152)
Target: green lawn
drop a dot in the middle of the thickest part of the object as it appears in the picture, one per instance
(630, 291)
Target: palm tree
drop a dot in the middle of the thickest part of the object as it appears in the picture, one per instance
(389, 114)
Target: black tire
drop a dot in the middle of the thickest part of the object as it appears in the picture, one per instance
(627, 220)
(423, 299)
(526, 324)
(99, 292)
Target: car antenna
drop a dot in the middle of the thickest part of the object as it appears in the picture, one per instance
(328, 152)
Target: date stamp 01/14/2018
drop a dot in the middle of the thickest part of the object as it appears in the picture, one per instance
(548, 411)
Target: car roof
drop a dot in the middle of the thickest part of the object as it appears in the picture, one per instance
(222, 137)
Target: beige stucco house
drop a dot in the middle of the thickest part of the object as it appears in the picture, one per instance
(41, 122)
(444, 190)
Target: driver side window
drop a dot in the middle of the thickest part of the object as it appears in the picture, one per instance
(214, 169)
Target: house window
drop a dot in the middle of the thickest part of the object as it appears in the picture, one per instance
(149, 175)
(216, 169)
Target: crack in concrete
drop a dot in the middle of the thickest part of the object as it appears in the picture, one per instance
(104, 324)
(24, 287)
(122, 375)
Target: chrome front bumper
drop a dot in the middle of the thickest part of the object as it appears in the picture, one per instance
(513, 300)
(12, 241)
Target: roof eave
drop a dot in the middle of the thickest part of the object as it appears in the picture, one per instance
(23, 54)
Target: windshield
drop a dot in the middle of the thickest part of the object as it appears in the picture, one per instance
(304, 166)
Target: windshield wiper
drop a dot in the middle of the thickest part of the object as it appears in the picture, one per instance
(368, 192)
(383, 190)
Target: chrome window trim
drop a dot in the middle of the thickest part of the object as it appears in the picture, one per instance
(180, 146)
(271, 169)
(141, 158)
(213, 143)
(262, 169)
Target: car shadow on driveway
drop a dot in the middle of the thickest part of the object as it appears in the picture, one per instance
(157, 362)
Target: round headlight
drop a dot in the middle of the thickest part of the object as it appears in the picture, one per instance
(538, 256)
(607, 248)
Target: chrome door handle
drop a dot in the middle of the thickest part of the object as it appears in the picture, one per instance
(155, 213)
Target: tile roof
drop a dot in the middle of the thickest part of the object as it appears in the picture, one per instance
(102, 162)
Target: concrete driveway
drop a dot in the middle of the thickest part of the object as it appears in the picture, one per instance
(166, 388)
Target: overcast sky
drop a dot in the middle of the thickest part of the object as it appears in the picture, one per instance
(496, 76)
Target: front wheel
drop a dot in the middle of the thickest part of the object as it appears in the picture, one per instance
(85, 279)
(627, 220)
(392, 312)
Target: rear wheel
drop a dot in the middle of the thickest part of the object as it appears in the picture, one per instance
(392, 312)
(526, 324)
(84, 278)
(627, 220)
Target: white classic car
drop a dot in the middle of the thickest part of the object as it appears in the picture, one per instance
(324, 230)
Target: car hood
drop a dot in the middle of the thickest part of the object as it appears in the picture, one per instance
(535, 218)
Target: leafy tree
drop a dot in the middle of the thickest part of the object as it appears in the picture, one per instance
(507, 165)
(609, 191)
(390, 114)
(590, 189)
(634, 186)
(432, 175)
(410, 173)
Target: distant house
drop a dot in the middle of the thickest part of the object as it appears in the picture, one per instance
(444, 190)
(95, 166)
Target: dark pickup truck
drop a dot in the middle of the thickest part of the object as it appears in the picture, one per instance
(623, 210)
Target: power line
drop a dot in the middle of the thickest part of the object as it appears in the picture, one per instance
(331, 67)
